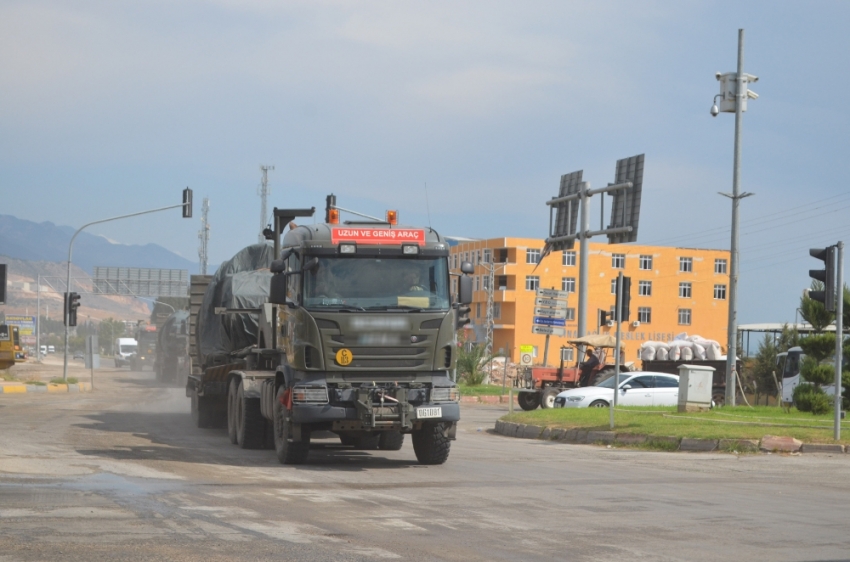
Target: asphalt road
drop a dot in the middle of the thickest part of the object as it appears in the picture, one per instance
(121, 474)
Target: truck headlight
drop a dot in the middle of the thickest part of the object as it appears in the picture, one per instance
(445, 394)
(310, 394)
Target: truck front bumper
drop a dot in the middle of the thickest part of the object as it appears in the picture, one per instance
(350, 417)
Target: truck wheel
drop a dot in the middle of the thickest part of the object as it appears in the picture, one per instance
(367, 441)
(202, 413)
(391, 440)
(528, 400)
(548, 399)
(287, 451)
(250, 423)
(431, 444)
(232, 409)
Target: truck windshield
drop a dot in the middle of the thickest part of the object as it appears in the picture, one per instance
(378, 284)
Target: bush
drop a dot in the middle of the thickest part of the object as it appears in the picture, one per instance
(817, 374)
(469, 364)
(810, 398)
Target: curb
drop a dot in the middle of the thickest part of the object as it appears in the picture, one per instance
(23, 388)
(585, 437)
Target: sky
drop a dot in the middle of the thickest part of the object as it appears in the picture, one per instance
(461, 115)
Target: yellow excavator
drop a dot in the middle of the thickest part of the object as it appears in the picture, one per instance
(10, 345)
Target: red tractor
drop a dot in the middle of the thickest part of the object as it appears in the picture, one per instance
(540, 385)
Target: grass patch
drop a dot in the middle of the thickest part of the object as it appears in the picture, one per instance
(721, 423)
(481, 390)
(7, 376)
(60, 380)
(36, 383)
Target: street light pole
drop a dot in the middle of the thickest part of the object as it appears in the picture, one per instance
(70, 250)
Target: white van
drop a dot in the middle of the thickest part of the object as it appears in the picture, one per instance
(43, 350)
(125, 348)
(51, 349)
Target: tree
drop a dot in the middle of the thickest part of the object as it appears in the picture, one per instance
(470, 358)
(762, 367)
(814, 312)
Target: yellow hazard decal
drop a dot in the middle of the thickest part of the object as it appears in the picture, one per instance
(344, 356)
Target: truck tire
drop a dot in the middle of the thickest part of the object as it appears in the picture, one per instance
(288, 452)
(250, 423)
(431, 444)
(547, 400)
(391, 440)
(202, 413)
(528, 400)
(232, 408)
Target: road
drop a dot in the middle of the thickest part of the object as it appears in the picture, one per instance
(120, 473)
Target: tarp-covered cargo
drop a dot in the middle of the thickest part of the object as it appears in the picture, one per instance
(240, 282)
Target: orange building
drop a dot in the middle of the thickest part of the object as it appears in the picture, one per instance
(673, 290)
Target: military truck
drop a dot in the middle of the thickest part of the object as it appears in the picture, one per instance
(145, 336)
(356, 336)
(172, 349)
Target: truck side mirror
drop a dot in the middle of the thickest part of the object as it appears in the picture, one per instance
(278, 266)
(277, 289)
(466, 267)
(465, 289)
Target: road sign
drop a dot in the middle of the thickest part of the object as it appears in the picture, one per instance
(551, 312)
(550, 303)
(549, 330)
(552, 294)
(550, 321)
(526, 355)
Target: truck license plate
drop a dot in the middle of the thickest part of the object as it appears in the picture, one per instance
(429, 412)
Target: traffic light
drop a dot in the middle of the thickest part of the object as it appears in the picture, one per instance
(330, 204)
(187, 203)
(462, 316)
(826, 276)
(625, 299)
(72, 303)
(603, 317)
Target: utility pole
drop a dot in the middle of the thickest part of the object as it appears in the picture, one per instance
(204, 236)
(264, 196)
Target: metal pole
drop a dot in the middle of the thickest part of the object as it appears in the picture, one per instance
(616, 349)
(68, 283)
(732, 333)
(38, 319)
(546, 352)
(582, 264)
(839, 336)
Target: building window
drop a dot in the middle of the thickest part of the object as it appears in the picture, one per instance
(567, 354)
(532, 282)
(475, 281)
(568, 284)
(478, 310)
(466, 256)
(487, 256)
(618, 261)
(645, 288)
(532, 256)
(568, 258)
(685, 316)
(720, 266)
(646, 262)
(720, 292)
(485, 282)
(686, 265)
(454, 261)
(477, 257)
(571, 315)
(503, 282)
(497, 310)
(614, 286)
(503, 255)
(684, 290)
(644, 315)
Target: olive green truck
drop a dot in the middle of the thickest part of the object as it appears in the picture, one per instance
(342, 328)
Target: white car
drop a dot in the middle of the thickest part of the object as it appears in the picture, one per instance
(636, 389)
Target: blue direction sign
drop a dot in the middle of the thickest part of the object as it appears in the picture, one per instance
(550, 321)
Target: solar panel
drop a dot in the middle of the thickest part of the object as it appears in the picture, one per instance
(625, 210)
(566, 212)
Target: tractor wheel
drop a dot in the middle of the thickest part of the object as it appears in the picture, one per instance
(548, 399)
(528, 400)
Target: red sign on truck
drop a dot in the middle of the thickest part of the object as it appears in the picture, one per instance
(378, 235)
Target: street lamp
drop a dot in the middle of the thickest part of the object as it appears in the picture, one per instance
(733, 99)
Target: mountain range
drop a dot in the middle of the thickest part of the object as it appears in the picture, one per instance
(31, 241)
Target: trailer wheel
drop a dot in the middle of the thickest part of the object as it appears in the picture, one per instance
(288, 452)
(528, 400)
(391, 440)
(548, 399)
(431, 444)
(250, 423)
(232, 409)
(202, 413)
